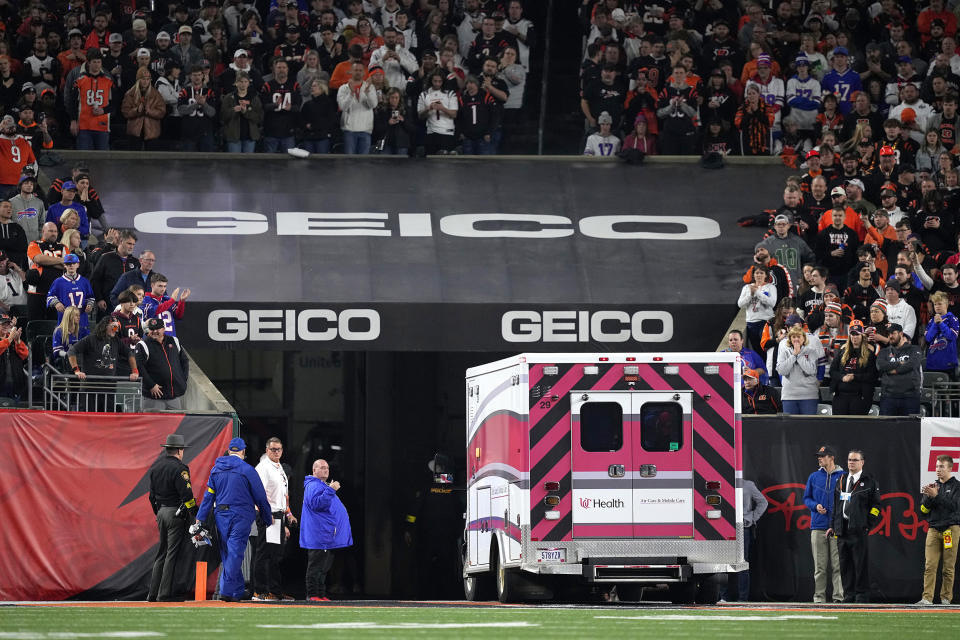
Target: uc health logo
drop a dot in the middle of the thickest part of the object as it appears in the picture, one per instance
(585, 503)
(613, 503)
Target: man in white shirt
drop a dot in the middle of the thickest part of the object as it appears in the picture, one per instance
(899, 312)
(12, 291)
(266, 573)
(397, 62)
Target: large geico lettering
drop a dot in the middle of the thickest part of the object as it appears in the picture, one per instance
(315, 325)
(421, 225)
(584, 326)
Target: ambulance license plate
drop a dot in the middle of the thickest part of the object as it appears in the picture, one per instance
(551, 555)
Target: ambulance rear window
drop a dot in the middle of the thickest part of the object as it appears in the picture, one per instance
(661, 426)
(601, 426)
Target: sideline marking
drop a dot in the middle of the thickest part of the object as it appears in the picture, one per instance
(711, 617)
(399, 625)
(67, 635)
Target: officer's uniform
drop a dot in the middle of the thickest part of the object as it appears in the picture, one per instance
(235, 488)
(171, 497)
(851, 524)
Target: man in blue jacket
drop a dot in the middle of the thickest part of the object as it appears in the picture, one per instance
(324, 526)
(237, 491)
(818, 496)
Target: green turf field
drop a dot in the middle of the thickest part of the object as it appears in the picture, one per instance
(37, 622)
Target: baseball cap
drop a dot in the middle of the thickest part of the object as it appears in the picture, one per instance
(27, 87)
(893, 326)
(841, 51)
(143, 51)
(856, 182)
(904, 59)
(813, 153)
(782, 218)
(241, 53)
(139, 23)
(605, 118)
(831, 289)
(751, 373)
(938, 22)
(833, 307)
(856, 327)
(887, 150)
(70, 259)
(793, 319)
(115, 37)
(802, 59)
(185, 29)
(154, 323)
(237, 444)
(74, 32)
(838, 191)
(69, 185)
(163, 35)
(826, 450)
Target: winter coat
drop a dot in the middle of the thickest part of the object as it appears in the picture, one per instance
(798, 373)
(942, 343)
(145, 124)
(324, 523)
(864, 376)
(863, 511)
(907, 362)
(233, 120)
(943, 510)
(819, 490)
(163, 364)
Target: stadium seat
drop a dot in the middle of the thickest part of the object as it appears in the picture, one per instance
(40, 328)
(824, 410)
(933, 378)
(826, 394)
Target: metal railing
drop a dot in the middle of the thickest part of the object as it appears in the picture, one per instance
(113, 394)
(945, 398)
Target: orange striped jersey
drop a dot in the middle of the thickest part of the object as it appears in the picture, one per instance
(93, 91)
(15, 154)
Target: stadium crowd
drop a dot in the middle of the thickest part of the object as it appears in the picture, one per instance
(390, 76)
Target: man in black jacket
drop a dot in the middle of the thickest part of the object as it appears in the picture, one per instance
(856, 508)
(110, 267)
(758, 398)
(164, 367)
(899, 364)
(941, 506)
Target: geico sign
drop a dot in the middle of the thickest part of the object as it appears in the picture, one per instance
(421, 225)
(265, 325)
(584, 326)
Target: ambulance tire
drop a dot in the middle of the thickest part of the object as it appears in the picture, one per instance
(506, 579)
(683, 592)
(476, 586)
(708, 588)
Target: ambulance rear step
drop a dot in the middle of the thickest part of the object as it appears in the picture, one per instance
(649, 570)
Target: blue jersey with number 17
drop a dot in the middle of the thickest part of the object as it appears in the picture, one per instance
(843, 85)
(71, 293)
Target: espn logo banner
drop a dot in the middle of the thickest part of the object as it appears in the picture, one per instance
(938, 436)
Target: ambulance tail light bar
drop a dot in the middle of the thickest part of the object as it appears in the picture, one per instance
(551, 486)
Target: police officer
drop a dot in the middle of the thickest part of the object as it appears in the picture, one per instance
(171, 497)
(236, 490)
(856, 509)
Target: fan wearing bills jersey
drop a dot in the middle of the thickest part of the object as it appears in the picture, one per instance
(72, 290)
(157, 304)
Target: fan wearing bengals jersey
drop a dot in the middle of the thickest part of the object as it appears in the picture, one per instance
(15, 154)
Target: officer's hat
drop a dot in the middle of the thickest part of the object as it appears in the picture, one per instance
(174, 441)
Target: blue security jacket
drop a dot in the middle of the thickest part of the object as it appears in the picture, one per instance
(324, 523)
(235, 484)
(819, 490)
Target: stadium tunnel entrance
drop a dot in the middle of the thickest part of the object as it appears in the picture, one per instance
(378, 418)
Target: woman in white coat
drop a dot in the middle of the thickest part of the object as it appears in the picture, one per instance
(797, 365)
(759, 298)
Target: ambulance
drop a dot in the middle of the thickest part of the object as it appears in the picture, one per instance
(595, 470)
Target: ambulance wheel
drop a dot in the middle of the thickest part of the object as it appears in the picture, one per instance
(476, 586)
(683, 592)
(708, 588)
(505, 578)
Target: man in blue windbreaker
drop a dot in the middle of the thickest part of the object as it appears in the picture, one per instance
(234, 492)
(324, 526)
(818, 496)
